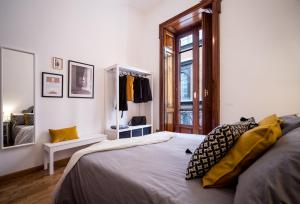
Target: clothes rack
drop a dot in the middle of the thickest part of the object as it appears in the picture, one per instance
(112, 112)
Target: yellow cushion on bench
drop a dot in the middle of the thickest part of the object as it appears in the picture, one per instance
(64, 134)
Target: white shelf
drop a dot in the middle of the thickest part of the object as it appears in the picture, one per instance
(114, 134)
(132, 128)
(124, 68)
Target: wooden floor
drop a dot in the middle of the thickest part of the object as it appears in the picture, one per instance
(36, 187)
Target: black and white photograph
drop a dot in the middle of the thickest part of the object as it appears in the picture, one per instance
(57, 63)
(81, 80)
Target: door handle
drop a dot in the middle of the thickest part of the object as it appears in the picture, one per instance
(195, 95)
(205, 92)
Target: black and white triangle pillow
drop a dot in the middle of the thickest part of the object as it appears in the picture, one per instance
(214, 147)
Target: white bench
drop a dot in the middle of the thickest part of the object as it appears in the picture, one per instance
(51, 148)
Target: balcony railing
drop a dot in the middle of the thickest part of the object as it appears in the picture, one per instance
(186, 113)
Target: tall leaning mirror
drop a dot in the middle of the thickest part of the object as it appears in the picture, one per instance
(17, 98)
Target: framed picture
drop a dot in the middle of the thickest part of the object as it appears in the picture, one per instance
(52, 85)
(57, 63)
(80, 80)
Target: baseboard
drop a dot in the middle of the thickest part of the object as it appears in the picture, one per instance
(58, 163)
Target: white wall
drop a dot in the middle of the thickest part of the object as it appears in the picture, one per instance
(260, 58)
(101, 33)
(260, 55)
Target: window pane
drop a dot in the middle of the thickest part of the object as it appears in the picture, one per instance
(169, 80)
(186, 88)
(169, 42)
(186, 43)
(200, 80)
(168, 84)
(200, 38)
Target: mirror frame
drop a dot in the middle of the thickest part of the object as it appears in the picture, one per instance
(1, 94)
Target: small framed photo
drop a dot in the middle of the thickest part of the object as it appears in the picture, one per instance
(52, 85)
(57, 63)
(80, 80)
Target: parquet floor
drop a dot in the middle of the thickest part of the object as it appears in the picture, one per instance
(36, 187)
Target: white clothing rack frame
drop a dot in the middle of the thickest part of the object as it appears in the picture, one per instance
(117, 70)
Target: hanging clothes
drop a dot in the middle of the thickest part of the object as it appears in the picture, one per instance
(129, 88)
(137, 89)
(146, 90)
(122, 94)
(142, 90)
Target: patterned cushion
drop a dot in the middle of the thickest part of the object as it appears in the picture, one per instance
(214, 147)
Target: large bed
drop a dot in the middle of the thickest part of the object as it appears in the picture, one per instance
(155, 173)
(152, 173)
(22, 134)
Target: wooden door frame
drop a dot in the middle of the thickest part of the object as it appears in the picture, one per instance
(215, 6)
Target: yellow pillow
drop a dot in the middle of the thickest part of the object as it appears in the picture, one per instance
(250, 146)
(270, 119)
(63, 134)
(29, 118)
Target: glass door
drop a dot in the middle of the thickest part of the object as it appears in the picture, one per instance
(189, 82)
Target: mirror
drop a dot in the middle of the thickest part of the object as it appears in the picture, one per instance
(17, 94)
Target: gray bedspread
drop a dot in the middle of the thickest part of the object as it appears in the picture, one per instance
(139, 175)
(22, 134)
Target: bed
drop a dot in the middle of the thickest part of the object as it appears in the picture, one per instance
(155, 173)
(22, 134)
(144, 174)
(22, 127)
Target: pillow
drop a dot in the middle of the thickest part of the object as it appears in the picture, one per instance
(29, 118)
(213, 148)
(288, 116)
(17, 119)
(274, 177)
(29, 110)
(270, 119)
(63, 134)
(289, 123)
(244, 119)
(250, 146)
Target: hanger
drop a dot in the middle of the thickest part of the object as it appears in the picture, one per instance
(123, 73)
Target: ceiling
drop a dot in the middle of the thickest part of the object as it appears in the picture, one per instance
(144, 5)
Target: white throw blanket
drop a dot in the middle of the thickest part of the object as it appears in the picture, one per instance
(108, 145)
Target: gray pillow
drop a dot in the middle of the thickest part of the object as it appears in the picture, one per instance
(274, 177)
(290, 122)
(17, 119)
(29, 110)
